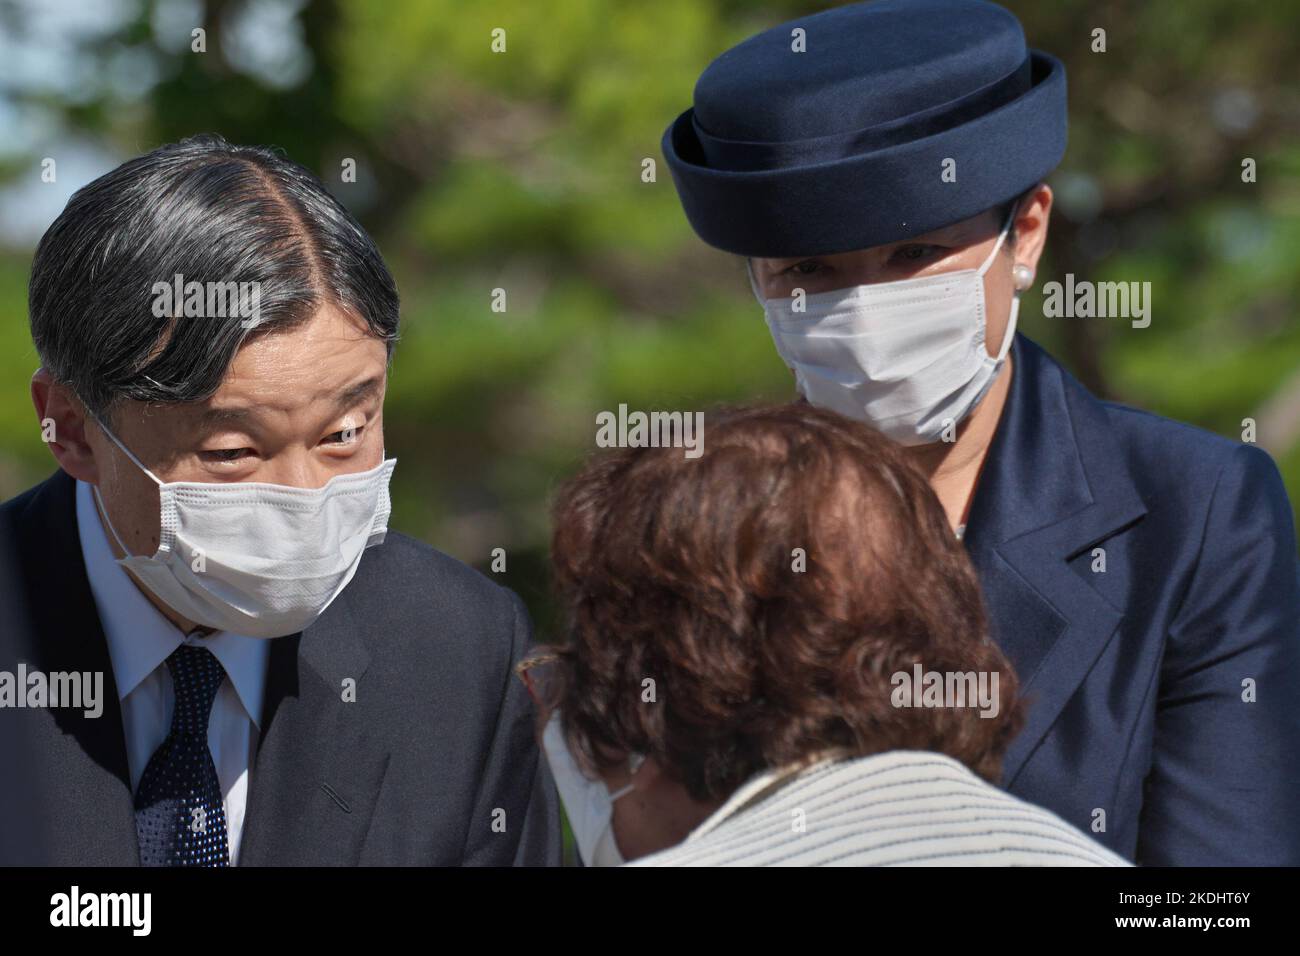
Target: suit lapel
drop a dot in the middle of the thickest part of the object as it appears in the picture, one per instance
(1054, 485)
(84, 780)
(318, 770)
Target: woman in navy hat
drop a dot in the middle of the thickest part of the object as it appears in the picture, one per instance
(881, 168)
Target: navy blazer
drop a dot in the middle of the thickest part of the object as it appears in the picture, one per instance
(434, 763)
(1162, 690)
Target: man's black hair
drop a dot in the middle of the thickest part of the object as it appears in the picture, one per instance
(210, 212)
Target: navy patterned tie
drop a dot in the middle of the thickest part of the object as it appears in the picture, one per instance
(179, 816)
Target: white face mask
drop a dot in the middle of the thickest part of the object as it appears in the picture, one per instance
(587, 803)
(254, 558)
(906, 357)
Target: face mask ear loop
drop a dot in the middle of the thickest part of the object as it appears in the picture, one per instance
(634, 764)
(99, 498)
(1010, 333)
(1001, 237)
(111, 530)
(753, 283)
(622, 792)
(126, 451)
(1011, 329)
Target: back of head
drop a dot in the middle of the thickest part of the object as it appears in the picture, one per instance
(770, 589)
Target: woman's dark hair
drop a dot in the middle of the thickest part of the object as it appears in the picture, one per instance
(212, 213)
(686, 572)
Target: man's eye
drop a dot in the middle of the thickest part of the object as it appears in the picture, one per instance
(344, 436)
(806, 268)
(226, 454)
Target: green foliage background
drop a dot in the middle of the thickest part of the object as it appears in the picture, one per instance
(523, 170)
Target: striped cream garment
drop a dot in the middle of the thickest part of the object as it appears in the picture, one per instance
(901, 808)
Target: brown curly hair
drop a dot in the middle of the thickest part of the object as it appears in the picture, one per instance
(685, 572)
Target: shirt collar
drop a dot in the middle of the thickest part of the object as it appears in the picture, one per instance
(762, 785)
(140, 637)
(836, 761)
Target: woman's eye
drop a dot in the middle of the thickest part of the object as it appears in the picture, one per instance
(914, 253)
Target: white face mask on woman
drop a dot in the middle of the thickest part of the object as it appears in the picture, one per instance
(906, 357)
(588, 804)
(254, 558)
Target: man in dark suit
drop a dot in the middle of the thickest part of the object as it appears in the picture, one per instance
(284, 682)
(886, 189)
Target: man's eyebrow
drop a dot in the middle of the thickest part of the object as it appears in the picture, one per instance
(237, 415)
(211, 417)
(361, 390)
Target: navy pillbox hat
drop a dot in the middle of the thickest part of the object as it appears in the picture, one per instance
(843, 146)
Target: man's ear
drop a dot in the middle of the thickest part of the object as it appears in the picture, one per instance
(63, 421)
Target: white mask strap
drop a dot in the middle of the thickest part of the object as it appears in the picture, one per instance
(1010, 333)
(621, 792)
(634, 764)
(98, 497)
(111, 530)
(753, 283)
(126, 451)
(998, 245)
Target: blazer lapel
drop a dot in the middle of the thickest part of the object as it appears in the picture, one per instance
(1054, 485)
(318, 769)
(81, 765)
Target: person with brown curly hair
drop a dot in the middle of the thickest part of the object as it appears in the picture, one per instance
(773, 657)
(1140, 574)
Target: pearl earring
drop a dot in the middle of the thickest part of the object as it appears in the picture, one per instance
(1023, 276)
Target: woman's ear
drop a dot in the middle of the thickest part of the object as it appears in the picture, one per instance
(1031, 226)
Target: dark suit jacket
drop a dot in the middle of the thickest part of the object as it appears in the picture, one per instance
(439, 740)
(1136, 674)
